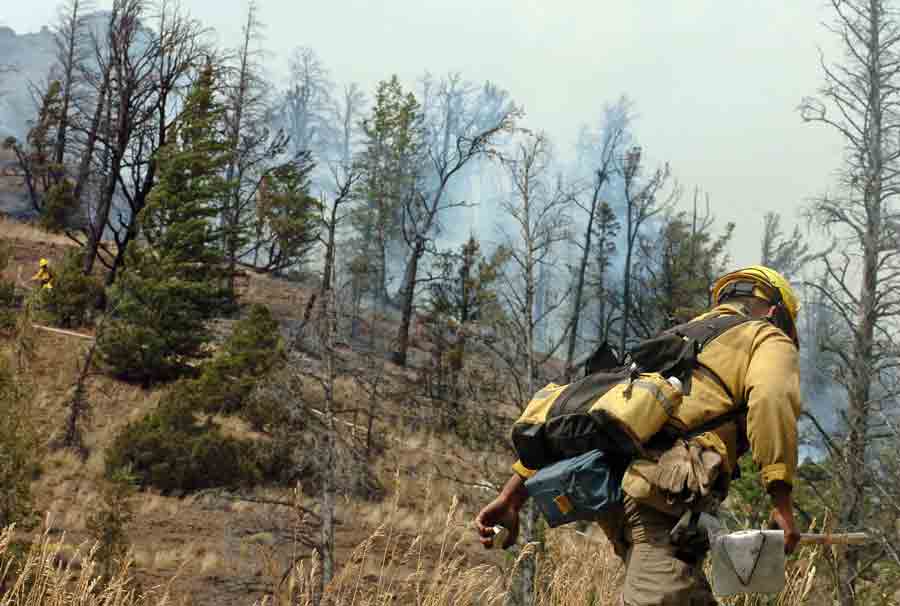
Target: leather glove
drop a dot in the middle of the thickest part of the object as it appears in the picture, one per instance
(674, 469)
(687, 472)
(710, 467)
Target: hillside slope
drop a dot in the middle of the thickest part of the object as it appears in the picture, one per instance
(229, 548)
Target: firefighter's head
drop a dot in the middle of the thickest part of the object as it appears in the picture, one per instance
(767, 286)
(43, 263)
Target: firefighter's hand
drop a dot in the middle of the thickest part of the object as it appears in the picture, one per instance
(791, 534)
(783, 515)
(501, 511)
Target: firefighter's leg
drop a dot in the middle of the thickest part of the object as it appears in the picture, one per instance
(613, 524)
(658, 573)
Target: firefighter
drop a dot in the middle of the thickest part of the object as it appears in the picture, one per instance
(755, 363)
(44, 274)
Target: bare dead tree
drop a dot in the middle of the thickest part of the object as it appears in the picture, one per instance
(249, 135)
(78, 403)
(333, 216)
(305, 110)
(135, 82)
(611, 148)
(644, 199)
(43, 159)
(72, 50)
(786, 254)
(859, 101)
(34, 158)
(182, 42)
(120, 91)
(456, 137)
(347, 113)
(536, 212)
(91, 117)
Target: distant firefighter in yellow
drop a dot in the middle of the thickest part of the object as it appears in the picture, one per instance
(44, 274)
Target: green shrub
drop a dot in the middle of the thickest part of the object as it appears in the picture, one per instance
(263, 412)
(169, 450)
(249, 353)
(59, 207)
(157, 327)
(141, 354)
(74, 295)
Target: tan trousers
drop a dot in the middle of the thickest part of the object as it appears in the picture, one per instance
(657, 573)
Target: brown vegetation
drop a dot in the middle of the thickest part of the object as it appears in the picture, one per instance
(219, 547)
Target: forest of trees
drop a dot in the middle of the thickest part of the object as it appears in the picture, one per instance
(176, 166)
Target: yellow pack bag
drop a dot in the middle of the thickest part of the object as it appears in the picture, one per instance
(608, 411)
(616, 410)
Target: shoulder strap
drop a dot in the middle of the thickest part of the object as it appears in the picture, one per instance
(705, 331)
(708, 329)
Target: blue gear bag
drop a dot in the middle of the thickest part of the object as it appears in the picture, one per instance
(579, 488)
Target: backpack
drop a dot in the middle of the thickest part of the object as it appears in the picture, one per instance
(618, 410)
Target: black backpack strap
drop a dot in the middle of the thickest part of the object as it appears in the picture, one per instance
(708, 329)
(704, 332)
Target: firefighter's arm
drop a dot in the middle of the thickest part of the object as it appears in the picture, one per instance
(503, 511)
(772, 393)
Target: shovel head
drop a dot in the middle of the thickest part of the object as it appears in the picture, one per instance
(750, 561)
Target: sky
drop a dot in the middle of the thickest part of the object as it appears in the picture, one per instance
(715, 84)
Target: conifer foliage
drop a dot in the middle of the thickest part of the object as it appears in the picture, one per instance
(177, 278)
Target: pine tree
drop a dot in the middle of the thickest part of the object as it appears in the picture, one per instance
(391, 166)
(676, 267)
(465, 293)
(179, 278)
(287, 218)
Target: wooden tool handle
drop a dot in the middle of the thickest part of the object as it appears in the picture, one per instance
(846, 538)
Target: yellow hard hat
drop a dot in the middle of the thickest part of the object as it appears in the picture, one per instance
(762, 282)
(44, 263)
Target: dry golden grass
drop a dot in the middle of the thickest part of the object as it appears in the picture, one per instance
(13, 231)
(150, 504)
(74, 520)
(284, 299)
(235, 427)
(51, 575)
(167, 559)
(390, 566)
(209, 562)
